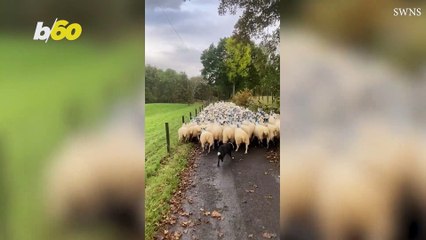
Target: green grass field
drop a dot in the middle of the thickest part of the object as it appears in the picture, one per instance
(162, 176)
(38, 82)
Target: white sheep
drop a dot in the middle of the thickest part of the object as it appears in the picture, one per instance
(98, 178)
(261, 132)
(249, 129)
(206, 138)
(228, 134)
(299, 176)
(216, 130)
(273, 132)
(241, 137)
(351, 204)
(183, 133)
(195, 131)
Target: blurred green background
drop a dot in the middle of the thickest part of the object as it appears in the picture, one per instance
(369, 25)
(49, 90)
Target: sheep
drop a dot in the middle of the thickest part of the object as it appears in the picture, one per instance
(248, 128)
(216, 130)
(183, 133)
(98, 179)
(277, 124)
(274, 118)
(261, 132)
(397, 161)
(195, 131)
(241, 137)
(299, 175)
(372, 189)
(228, 134)
(351, 205)
(206, 137)
(220, 119)
(273, 132)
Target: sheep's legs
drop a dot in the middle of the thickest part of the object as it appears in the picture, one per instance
(202, 147)
(246, 148)
(210, 146)
(238, 146)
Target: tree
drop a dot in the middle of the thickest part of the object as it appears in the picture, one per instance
(237, 61)
(214, 68)
(259, 19)
(171, 86)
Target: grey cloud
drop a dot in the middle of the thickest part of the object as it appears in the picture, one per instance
(196, 22)
(172, 4)
(181, 60)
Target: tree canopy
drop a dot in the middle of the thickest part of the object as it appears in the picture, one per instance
(259, 19)
(233, 64)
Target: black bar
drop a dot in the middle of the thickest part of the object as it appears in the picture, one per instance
(195, 112)
(167, 137)
(190, 115)
(183, 119)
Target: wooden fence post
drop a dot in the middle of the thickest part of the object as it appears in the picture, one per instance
(195, 112)
(167, 137)
(190, 115)
(183, 119)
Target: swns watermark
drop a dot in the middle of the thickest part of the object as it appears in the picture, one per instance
(60, 29)
(410, 12)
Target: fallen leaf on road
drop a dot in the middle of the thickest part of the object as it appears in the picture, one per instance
(268, 235)
(185, 223)
(177, 235)
(268, 197)
(250, 191)
(184, 214)
(250, 235)
(216, 214)
(206, 213)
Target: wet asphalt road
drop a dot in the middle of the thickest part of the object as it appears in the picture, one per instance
(245, 191)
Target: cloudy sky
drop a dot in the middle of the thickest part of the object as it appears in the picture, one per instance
(176, 32)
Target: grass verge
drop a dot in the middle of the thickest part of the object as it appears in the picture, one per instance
(156, 114)
(159, 188)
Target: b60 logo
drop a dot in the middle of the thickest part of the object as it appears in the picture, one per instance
(60, 29)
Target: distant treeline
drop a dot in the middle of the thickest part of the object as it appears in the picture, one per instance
(169, 86)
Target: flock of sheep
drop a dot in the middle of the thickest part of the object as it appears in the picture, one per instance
(224, 122)
(373, 188)
(97, 179)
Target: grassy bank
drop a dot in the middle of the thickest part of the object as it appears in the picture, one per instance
(162, 170)
(156, 114)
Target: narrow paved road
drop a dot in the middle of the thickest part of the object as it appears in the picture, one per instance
(244, 191)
